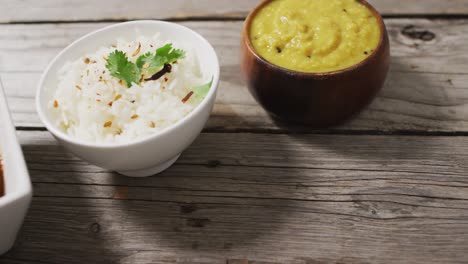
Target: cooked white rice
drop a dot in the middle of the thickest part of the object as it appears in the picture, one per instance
(86, 100)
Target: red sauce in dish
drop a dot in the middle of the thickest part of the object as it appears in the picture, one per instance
(2, 187)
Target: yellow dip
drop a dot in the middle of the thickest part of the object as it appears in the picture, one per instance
(315, 35)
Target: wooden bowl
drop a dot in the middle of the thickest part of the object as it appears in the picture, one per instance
(315, 99)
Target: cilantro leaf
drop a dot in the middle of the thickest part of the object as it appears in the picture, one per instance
(150, 64)
(145, 66)
(200, 92)
(120, 67)
(167, 54)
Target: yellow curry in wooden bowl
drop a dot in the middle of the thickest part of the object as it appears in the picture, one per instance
(317, 62)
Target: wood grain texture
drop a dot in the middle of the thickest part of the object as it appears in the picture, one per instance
(255, 198)
(426, 89)
(73, 10)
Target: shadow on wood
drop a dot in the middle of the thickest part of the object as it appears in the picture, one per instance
(176, 210)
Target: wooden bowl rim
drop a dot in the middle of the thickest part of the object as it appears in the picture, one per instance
(246, 38)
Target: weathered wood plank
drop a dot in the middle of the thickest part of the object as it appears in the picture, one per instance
(63, 230)
(285, 199)
(79, 10)
(426, 90)
(423, 154)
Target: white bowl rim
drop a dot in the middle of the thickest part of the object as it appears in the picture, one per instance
(16, 152)
(61, 135)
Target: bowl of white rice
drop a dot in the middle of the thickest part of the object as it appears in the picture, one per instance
(130, 97)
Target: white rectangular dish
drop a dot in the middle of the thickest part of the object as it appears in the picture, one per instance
(18, 191)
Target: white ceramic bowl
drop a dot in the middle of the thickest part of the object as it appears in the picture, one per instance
(18, 191)
(151, 155)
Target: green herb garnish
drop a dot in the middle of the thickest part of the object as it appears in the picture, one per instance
(201, 91)
(151, 63)
(146, 65)
(120, 67)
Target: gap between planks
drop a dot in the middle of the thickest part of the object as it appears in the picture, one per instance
(312, 131)
(225, 19)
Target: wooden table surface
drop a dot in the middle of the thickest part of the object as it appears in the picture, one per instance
(390, 186)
